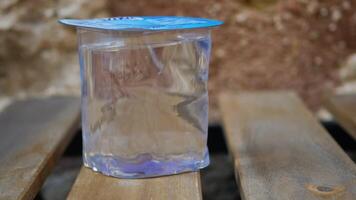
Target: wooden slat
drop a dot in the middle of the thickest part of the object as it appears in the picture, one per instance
(281, 151)
(90, 185)
(34, 133)
(343, 108)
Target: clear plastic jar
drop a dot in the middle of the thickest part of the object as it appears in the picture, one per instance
(144, 100)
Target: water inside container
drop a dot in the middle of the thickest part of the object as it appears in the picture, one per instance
(145, 107)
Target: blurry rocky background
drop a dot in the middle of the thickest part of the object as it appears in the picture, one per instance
(304, 45)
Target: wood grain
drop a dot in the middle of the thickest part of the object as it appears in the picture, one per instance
(34, 133)
(343, 108)
(91, 185)
(281, 151)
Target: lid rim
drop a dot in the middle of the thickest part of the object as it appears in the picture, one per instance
(143, 23)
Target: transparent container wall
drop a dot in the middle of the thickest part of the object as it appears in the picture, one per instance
(144, 101)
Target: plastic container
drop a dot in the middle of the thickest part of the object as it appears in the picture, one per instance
(144, 94)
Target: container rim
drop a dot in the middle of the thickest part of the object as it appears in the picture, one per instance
(143, 23)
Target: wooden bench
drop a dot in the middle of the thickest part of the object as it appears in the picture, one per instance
(91, 185)
(343, 108)
(280, 151)
(34, 134)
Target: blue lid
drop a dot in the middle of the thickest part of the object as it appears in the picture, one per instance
(154, 23)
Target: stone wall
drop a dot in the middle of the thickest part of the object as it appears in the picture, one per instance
(37, 54)
(302, 45)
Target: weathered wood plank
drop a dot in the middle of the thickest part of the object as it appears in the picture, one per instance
(343, 108)
(34, 133)
(281, 151)
(90, 185)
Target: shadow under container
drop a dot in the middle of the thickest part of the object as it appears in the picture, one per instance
(144, 100)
